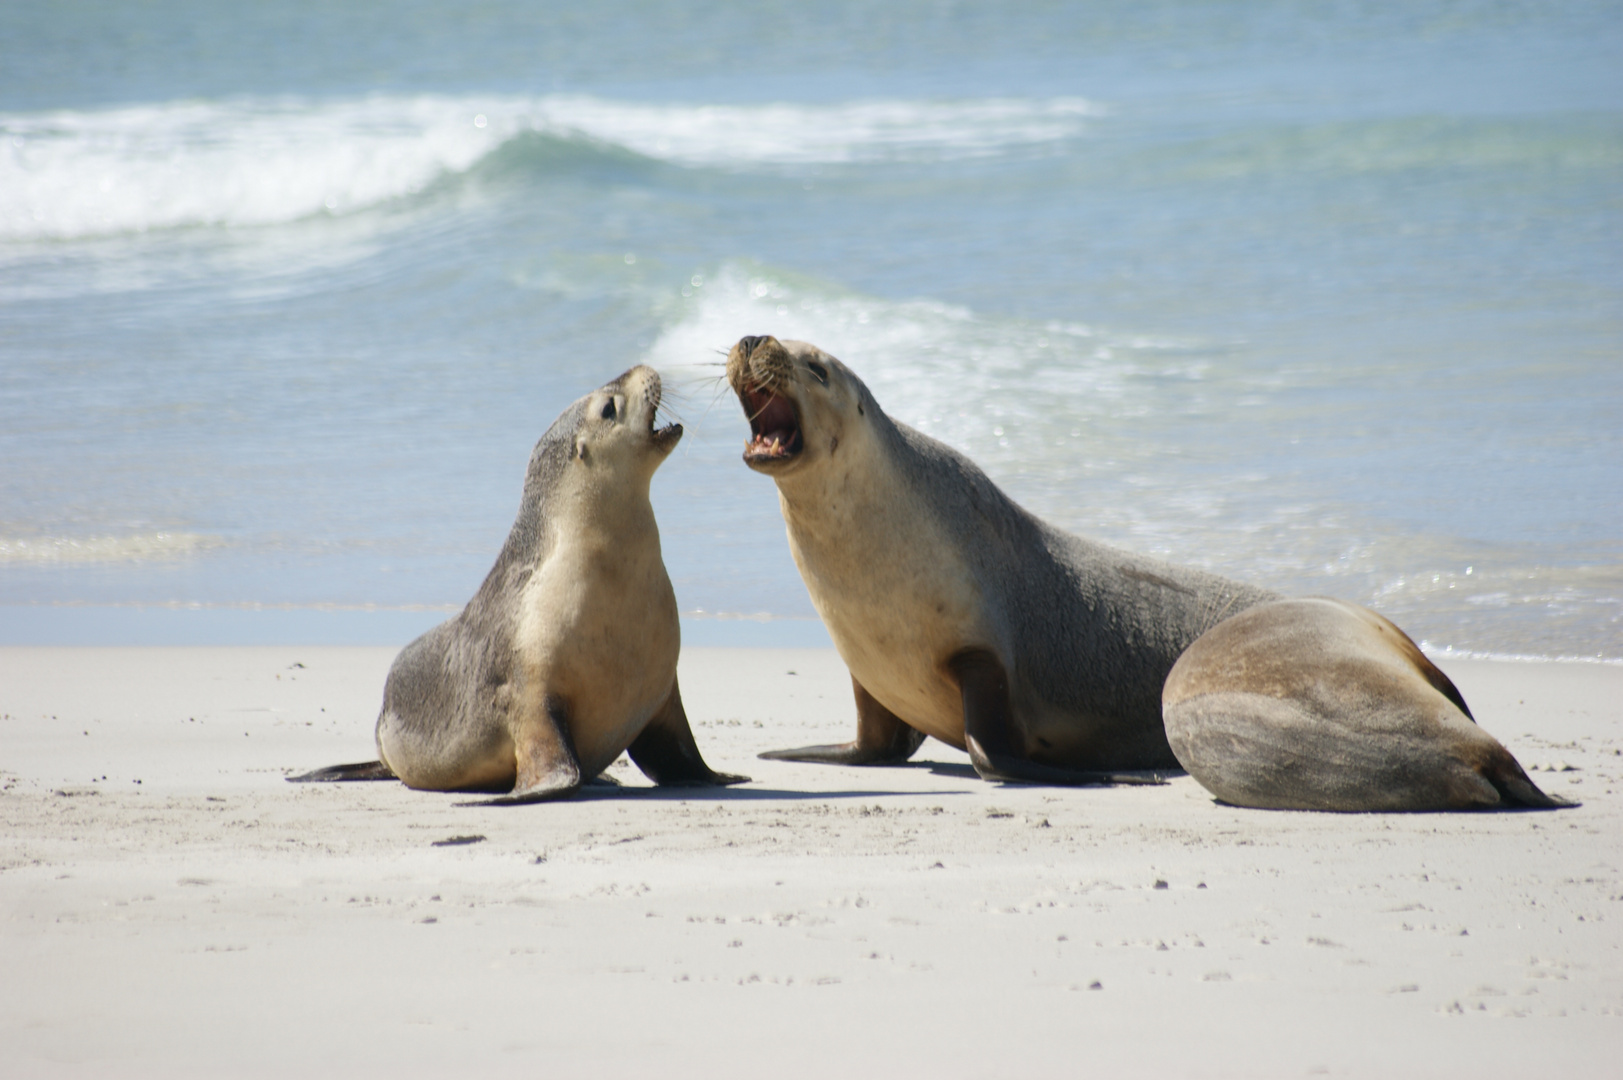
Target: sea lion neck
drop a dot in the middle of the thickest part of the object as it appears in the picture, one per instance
(604, 512)
(854, 480)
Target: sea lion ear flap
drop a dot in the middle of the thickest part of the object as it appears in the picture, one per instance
(580, 448)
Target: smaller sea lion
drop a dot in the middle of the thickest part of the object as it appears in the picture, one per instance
(567, 654)
(1321, 704)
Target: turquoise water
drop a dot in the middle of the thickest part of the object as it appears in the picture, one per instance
(1326, 300)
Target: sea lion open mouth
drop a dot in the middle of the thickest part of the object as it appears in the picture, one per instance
(668, 434)
(660, 436)
(774, 427)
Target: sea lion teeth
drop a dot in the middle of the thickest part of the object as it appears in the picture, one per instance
(1045, 655)
(566, 656)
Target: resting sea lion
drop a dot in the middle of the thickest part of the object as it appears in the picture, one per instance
(959, 614)
(567, 654)
(1320, 704)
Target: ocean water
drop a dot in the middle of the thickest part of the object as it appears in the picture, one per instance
(1325, 297)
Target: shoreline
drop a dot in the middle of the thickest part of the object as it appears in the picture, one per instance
(197, 625)
(178, 908)
(186, 625)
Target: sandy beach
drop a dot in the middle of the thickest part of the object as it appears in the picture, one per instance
(172, 907)
(1317, 297)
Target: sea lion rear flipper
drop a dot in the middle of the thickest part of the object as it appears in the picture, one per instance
(547, 766)
(360, 770)
(667, 754)
(1505, 773)
(883, 738)
(987, 734)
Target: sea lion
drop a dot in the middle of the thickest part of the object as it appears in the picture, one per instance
(567, 654)
(1042, 654)
(1321, 704)
(959, 614)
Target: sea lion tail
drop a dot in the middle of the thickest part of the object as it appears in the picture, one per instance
(360, 770)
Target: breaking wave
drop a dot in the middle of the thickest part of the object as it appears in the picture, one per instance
(71, 174)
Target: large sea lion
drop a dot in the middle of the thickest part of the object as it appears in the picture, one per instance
(959, 614)
(567, 654)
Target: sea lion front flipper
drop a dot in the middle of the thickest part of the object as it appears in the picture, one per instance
(667, 754)
(990, 741)
(883, 738)
(547, 766)
(360, 770)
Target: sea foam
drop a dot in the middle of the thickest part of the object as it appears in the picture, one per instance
(82, 550)
(1013, 392)
(251, 162)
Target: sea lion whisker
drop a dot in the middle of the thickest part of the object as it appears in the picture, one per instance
(694, 378)
(717, 396)
(665, 413)
(715, 382)
(673, 393)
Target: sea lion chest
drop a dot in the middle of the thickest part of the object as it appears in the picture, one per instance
(598, 630)
(890, 579)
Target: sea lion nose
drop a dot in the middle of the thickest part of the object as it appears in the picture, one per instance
(750, 344)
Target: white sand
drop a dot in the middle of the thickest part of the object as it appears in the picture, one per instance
(171, 907)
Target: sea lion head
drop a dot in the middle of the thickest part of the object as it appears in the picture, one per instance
(800, 402)
(614, 424)
(603, 450)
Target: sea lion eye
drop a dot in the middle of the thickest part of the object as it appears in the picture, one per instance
(818, 371)
(608, 409)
